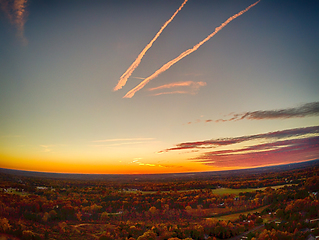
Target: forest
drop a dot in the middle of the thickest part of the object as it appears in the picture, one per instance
(257, 205)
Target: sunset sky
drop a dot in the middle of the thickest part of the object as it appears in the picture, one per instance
(246, 96)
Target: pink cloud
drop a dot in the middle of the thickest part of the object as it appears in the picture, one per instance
(180, 84)
(280, 152)
(296, 132)
(191, 88)
(305, 110)
(280, 147)
(174, 92)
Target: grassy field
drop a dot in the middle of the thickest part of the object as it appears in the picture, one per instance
(19, 193)
(236, 215)
(276, 187)
(13, 191)
(221, 191)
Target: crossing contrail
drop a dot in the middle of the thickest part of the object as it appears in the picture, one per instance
(184, 54)
(138, 60)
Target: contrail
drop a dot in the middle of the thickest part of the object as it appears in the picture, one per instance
(192, 87)
(138, 60)
(184, 54)
(179, 84)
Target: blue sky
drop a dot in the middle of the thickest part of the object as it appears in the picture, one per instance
(61, 60)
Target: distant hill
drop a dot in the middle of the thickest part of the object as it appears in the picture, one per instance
(161, 177)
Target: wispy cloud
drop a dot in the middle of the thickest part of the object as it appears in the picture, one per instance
(173, 92)
(138, 60)
(166, 66)
(296, 132)
(140, 163)
(192, 88)
(114, 142)
(305, 110)
(47, 148)
(123, 139)
(179, 84)
(272, 148)
(279, 152)
(147, 164)
(15, 11)
(117, 144)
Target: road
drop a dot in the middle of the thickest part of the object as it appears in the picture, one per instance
(252, 230)
(245, 233)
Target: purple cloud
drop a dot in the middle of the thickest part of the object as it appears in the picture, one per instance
(288, 151)
(306, 110)
(296, 132)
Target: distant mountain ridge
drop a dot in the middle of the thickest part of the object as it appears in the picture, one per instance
(164, 176)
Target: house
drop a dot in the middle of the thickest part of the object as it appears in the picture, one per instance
(311, 237)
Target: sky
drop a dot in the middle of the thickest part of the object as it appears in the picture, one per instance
(161, 86)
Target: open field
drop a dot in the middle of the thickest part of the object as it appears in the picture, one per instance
(276, 187)
(221, 191)
(234, 216)
(13, 191)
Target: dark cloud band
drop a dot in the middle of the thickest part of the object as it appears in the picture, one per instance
(288, 151)
(308, 109)
(296, 132)
(286, 146)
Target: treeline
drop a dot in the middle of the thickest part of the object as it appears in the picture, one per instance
(208, 182)
(71, 209)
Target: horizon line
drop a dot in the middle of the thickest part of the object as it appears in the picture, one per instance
(186, 172)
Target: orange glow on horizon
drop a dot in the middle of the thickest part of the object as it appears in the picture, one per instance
(60, 166)
(97, 166)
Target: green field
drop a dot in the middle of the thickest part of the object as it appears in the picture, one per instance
(276, 187)
(12, 191)
(221, 191)
(235, 216)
